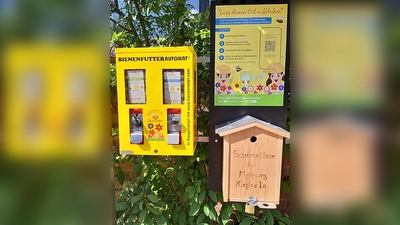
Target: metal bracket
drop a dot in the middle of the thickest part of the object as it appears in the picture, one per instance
(252, 201)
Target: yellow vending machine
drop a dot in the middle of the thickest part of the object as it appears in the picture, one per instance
(157, 100)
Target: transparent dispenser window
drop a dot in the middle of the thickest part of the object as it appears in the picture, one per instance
(136, 126)
(135, 86)
(173, 86)
(174, 126)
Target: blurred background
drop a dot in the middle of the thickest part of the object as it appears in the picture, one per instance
(54, 158)
(344, 65)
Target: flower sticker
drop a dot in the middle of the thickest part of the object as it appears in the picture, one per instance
(255, 92)
(280, 87)
(229, 88)
(158, 127)
(274, 87)
(250, 88)
(259, 87)
(219, 92)
(150, 126)
(236, 86)
(246, 92)
(266, 88)
(223, 88)
(152, 132)
(217, 85)
(244, 89)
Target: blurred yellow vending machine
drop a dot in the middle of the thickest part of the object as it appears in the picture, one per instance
(157, 100)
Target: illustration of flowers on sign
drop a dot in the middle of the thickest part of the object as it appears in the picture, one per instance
(275, 80)
(154, 125)
(236, 86)
(158, 127)
(269, 82)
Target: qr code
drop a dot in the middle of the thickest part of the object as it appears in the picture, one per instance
(270, 46)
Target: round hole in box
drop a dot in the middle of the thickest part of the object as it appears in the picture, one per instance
(265, 204)
(253, 139)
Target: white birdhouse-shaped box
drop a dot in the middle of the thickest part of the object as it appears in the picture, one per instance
(252, 161)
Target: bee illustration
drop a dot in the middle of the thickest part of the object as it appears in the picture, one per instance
(238, 68)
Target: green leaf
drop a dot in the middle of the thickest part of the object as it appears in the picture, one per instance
(160, 204)
(213, 196)
(135, 209)
(121, 206)
(185, 196)
(270, 218)
(181, 19)
(239, 215)
(192, 194)
(153, 198)
(190, 220)
(229, 209)
(198, 188)
(206, 210)
(153, 210)
(182, 218)
(194, 209)
(175, 217)
(263, 218)
(260, 222)
(136, 198)
(160, 220)
(225, 216)
(246, 221)
(202, 195)
(213, 214)
(190, 189)
(137, 169)
(200, 218)
(285, 220)
(238, 206)
(149, 221)
(276, 213)
(142, 215)
(121, 177)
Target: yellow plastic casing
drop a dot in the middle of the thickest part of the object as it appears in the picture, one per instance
(154, 61)
(53, 101)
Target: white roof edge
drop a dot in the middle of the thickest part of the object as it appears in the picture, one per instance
(242, 121)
